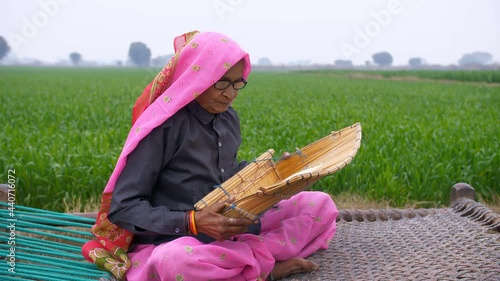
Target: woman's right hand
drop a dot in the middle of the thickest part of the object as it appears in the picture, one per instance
(211, 222)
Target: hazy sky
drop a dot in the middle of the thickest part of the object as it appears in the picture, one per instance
(320, 31)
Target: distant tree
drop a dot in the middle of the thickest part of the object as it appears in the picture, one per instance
(343, 63)
(75, 58)
(476, 58)
(382, 58)
(139, 54)
(161, 61)
(264, 61)
(4, 48)
(415, 62)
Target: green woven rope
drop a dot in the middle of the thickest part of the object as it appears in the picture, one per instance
(74, 239)
(55, 221)
(61, 219)
(37, 258)
(46, 260)
(27, 249)
(94, 272)
(14, 276)
(50, 213)
(23, 217)
(28, 272)
(44, 244)
(21, 223)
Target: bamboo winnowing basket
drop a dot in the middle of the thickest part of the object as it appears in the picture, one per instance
(263, 182)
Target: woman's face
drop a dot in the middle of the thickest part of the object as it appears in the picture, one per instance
(217, 101)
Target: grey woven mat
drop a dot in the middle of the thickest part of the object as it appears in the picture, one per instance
(459, 243)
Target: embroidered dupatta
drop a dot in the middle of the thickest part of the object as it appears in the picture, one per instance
(200, 59)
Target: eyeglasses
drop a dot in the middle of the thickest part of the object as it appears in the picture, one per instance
(223, 84)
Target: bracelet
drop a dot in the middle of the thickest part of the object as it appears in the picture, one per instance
(192, 223)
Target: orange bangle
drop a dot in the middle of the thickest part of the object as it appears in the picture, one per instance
(192, 223)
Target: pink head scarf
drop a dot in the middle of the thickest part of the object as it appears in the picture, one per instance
(200, 63)
(201, 59)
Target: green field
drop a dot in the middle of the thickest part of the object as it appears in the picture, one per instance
(63, 129)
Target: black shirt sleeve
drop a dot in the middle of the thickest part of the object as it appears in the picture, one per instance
(131, 203)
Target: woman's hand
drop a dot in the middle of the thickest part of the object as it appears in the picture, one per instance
(211, 222)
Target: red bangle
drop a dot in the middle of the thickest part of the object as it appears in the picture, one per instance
(192, 223)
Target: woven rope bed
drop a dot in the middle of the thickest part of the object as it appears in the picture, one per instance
(461, 242)
(457, 243)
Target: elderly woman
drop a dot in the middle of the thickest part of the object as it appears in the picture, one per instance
(184, 140)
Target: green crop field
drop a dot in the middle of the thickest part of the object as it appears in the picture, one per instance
(63, 129)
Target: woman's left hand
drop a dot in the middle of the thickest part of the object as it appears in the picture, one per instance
(211, 222)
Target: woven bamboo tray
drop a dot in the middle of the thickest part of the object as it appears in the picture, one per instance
(263, 182)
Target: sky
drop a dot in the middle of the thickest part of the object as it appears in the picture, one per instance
(285, 31)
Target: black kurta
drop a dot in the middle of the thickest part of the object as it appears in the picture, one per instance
(172, 168)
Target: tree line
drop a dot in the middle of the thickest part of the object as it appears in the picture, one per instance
(385, 59)
(140, 55)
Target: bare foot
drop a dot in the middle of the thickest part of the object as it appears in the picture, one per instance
(292, 266)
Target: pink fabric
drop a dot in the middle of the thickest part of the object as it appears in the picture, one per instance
(207, 57)
(297, 228)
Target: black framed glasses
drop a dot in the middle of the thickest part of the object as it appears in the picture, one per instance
(224, 84)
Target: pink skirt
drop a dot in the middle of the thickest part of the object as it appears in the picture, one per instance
(297, 227)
